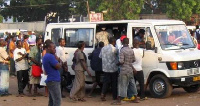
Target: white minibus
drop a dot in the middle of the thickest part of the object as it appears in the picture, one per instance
(171, 60)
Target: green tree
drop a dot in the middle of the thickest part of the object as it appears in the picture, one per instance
(182, 9)
(154, 6)
(121, 9)
(36, 10)
(196, 8)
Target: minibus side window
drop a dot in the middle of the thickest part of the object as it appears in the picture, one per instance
(72, 36)
(55, 35)
(147, 36)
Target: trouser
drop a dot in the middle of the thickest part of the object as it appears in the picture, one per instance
(78, 89)
(98, 75)
(54, 93)
(4, 79)
(61, 74)
(110, 78)
(140, 78)
(126, 83)
(12, 66)
(22, 77)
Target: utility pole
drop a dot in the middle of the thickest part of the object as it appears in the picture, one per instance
(88, 9)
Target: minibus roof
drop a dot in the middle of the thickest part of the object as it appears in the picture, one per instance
(144, 21)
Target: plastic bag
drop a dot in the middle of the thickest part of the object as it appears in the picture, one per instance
(43, 79)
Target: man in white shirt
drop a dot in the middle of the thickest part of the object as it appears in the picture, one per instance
(21, 65)
(62, 55)
(138, 67)
(109, 60)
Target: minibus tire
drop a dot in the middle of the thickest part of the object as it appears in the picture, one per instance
(191, 89)
(160, 81)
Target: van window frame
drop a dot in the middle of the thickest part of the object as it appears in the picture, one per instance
(159, 40)
(56, 42)
(93, 43)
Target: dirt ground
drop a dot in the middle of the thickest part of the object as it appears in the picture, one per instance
(178, 98)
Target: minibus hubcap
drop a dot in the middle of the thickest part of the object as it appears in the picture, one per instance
(159, 86)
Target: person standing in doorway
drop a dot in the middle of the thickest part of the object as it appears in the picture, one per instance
(35, 57)
(21, 65)
(12, 47)
(51, 66)
(109, 61)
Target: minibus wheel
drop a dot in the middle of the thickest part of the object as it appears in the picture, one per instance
(160, 86)
(193, 88)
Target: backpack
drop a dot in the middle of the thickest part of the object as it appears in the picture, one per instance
(198, 34)
(74, 60)
(96, 62)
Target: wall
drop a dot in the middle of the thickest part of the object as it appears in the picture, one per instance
(30, 26)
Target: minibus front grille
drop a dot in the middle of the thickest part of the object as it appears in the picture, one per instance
(191, 64)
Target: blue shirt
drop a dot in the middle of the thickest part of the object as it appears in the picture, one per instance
(96, 62)
(49, 63)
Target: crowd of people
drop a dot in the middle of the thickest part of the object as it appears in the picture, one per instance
(115, 63)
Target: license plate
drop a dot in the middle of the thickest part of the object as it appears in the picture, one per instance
(196, 78)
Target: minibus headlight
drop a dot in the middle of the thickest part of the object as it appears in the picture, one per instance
(180, 65)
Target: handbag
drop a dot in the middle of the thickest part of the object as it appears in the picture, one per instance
(36, 71)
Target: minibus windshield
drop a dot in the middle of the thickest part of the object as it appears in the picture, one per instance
(174, 37)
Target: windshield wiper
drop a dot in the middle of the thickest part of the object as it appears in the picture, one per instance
(169, 44)
(176, 44)
(185, 44)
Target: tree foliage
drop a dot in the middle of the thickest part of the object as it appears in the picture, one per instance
(35, 10)
(154, 6)
(175, 9)
(121, 9)
(181, 9)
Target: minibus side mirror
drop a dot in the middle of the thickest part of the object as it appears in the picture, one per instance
(148, 45)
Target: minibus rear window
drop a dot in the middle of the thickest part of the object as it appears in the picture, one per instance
(72, 36)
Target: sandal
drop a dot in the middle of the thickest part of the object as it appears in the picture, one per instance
(135, 101)
(142, 99)
(82, 100)
(103, 99)
(72, 99)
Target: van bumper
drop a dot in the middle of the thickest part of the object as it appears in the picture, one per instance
(185, 81)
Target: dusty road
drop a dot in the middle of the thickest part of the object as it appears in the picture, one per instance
(178, 98)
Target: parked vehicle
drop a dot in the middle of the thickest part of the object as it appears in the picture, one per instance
(11, 31)
(171, 59)
(193, 28)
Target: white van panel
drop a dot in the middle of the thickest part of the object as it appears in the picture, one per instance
(71, 49)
